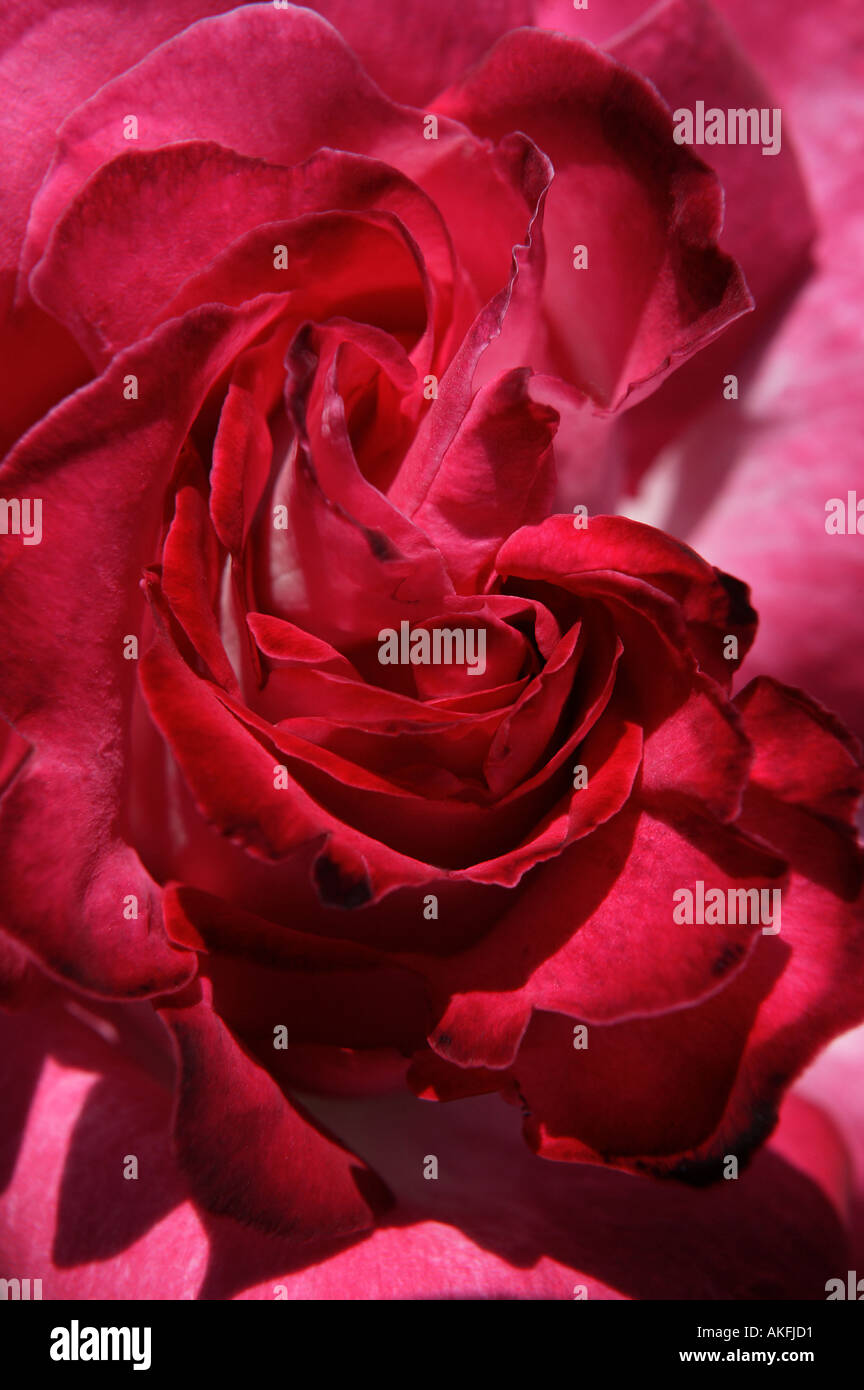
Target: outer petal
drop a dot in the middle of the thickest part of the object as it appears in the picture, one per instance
(656, 286)
(328, 101)
(596, 23)
(81, 47)
(412, 53)
(585, 937)
(749, 485)
(100, 464)
(690, 55)
(190, 202)
(797, 990)
(248, 1151)
(498, 1223)
(834, 1083)
(52, 57)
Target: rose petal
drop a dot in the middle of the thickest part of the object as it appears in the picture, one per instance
(498, 1222)
(808, 973)
(689, 54)
(70, 876)
(330, 101)
(248, 1152)
(655, 291)
(494, 478)
(191, 201)
(792, 442)
(596, 959)
(413, 54)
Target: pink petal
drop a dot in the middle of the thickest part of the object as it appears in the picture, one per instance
(412, 54)
(330, 101)
(686, 50)
(657, 287)
(51, 59)
(749, 486)
(498, 1222)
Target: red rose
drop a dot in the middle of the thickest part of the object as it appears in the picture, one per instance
(344, 728)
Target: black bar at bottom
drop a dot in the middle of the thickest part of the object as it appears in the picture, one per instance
(66, 1339)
